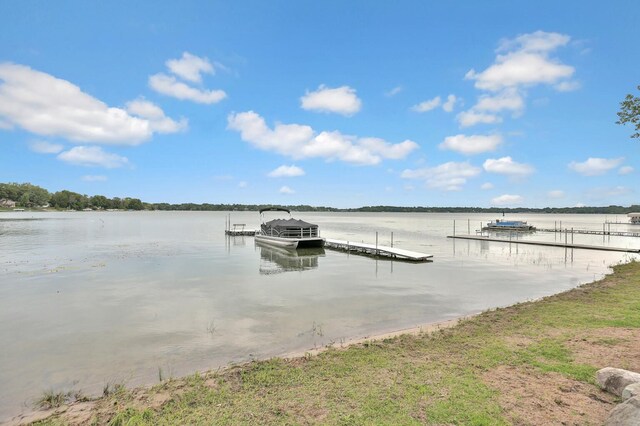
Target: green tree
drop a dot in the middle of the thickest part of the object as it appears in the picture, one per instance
(630, 113)
(69, 200)
(25, 194)
(133, 204)
(100, 202)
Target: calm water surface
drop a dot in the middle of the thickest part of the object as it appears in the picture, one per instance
(92, 298)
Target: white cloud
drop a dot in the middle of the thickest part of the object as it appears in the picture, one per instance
(394, 91)
(286, 171)
(94, 178)
(538, 41)
(521, 62)
(170, 86)
(49, 106)
(158, 121)
(386, 150)
(190, 67)
(92, 156)
(427, 105)
(341, 100)
(471, 118)
(301, 141)
(506, 100)
(506, 199)
(449, 176)
(507, 166)
(595, 166)
(556, 193)
(486, 186)
(484, 111)
(567, 86)
(625, 170)
(450, 103)
(5, 125)
(44, 147)
(525, 63)
(520, 68)
(286, 190)
(242, 184)
(469, 145)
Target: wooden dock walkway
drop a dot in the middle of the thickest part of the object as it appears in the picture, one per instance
(238, 229)
(545, 243)
(591, 232)
(373, 250)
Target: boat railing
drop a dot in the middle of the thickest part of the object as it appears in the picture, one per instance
(290, 232)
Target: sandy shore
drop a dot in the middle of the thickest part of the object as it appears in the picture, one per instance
(413, 331)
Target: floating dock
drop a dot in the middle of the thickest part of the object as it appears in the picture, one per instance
(545, 243)
(373, 250)
(239, 229)
(591, 232)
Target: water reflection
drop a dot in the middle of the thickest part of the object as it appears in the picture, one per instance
(236, 241)
(276, 260)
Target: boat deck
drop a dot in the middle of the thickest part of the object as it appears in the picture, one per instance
(373, 250)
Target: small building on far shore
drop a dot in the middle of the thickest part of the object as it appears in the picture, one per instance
(7, 204)
(634, 218)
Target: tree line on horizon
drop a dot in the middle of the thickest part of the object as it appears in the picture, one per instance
(26, 195)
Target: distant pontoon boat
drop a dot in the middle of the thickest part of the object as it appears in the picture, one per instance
(634, 218)
(290, 233)
(509, 225)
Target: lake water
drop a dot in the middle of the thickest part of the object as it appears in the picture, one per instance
(91, 298)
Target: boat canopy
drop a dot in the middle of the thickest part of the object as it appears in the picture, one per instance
(289, 223)
(275, 209)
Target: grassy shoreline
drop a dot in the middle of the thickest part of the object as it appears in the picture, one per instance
(530, 363)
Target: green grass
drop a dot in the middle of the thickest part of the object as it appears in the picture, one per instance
(52, 399)
(433, 378)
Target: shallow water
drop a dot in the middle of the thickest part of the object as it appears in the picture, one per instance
(92, 298)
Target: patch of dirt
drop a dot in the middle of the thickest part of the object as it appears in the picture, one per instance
(518, 341)
(608, 347)
(530, 397)
(80, 413)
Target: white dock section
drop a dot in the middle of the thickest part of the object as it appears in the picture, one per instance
(373, 250)
(546, 243)
(239, 229)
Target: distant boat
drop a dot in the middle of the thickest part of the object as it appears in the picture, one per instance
(289, 233)
(634, 218)
(509, 225)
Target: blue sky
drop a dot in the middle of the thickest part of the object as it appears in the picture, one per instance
(345, 104)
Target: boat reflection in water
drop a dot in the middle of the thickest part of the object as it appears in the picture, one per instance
(276, 260)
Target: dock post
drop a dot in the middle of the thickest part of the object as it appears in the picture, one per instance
(376, 243)
(468, 226)
(555, 225)
(391, 239)
(560, 226)
(454, 227)
(572, 236)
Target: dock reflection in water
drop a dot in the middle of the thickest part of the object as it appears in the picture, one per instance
(276, 260)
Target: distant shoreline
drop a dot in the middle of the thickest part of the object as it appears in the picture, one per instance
(612, 210)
